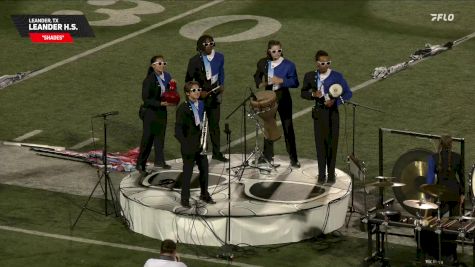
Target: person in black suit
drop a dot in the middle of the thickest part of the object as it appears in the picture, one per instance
(188, 130)
(154, 85)
(278, 74)
(326, 118)
(207, 68)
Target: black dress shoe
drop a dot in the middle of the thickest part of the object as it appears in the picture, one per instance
(331, 180)
(163, 165)
(220, 157)
(295, 164)
(321, 179)
(208, 199)
(185, 204)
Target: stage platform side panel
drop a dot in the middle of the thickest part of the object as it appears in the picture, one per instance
(257, 218)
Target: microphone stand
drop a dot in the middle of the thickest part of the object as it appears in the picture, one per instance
(226, 251)
(244, 115)
(107, 180)
(354, 105)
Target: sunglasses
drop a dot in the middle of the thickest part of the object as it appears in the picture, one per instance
(160, 63)
(209, 44)
(276, 51)
(324, 63)
(195, 90)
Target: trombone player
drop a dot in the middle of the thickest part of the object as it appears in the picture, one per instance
(191, 130)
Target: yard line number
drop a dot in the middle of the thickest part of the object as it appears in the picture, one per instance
(122, 17)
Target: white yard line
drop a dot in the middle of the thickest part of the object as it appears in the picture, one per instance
(121, 39)
(356, 88)
(115, 245)
(27, 135)
(84, 143)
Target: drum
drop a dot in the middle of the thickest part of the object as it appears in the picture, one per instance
(471, 184)
(265, 106)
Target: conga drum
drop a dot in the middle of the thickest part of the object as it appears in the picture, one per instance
(265, 106)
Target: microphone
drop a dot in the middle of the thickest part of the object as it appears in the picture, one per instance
(253, 96)
(110, 113)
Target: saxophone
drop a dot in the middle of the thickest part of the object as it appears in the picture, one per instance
(204, 135)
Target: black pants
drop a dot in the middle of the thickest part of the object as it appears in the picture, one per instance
(285, 113)
(188, 164)
(326, 126)
(154, 128)
(213, 114)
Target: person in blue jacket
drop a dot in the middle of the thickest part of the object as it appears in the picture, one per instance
(326, 119)
(445, 169)
(276, 73)
(207, 68)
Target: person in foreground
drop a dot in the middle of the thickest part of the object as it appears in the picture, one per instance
(188, 130)
(168, 256)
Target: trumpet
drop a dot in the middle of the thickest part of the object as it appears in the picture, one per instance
(204, 135)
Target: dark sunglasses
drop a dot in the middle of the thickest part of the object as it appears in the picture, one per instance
(160, 63)
(195, 90)
(209, 44)
(324, 63)
(275, 51)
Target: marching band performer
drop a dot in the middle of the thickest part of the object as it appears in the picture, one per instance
(207, 68)
(445, 168)
(278, 74)
(188, 130)
(326, 121)
(155, 84)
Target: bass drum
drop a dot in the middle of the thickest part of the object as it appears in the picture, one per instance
(471, 184)
(411, 169)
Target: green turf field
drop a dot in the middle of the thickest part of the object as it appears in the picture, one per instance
(434, 96)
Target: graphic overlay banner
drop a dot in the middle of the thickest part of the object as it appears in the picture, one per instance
(52, 28)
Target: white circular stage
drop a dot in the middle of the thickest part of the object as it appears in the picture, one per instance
(268, 206)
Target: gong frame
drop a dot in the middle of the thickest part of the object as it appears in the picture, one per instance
(420, 135)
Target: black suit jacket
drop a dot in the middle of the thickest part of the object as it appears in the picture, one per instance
(151, 93)
(261, 73)
(308, 87)
(196, 72)
(186, 131)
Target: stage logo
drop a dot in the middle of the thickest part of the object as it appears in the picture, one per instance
(52, 28)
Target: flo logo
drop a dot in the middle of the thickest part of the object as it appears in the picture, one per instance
(442, 17)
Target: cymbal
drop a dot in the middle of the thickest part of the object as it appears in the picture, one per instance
(441, 191)
(385, 184)
(384, 177)
(413, 203)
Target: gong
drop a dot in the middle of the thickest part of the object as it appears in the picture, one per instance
(411, 169)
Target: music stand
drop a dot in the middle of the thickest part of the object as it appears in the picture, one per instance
(108, 186)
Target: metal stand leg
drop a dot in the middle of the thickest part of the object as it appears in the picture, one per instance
(256, 154)
(108, 186)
